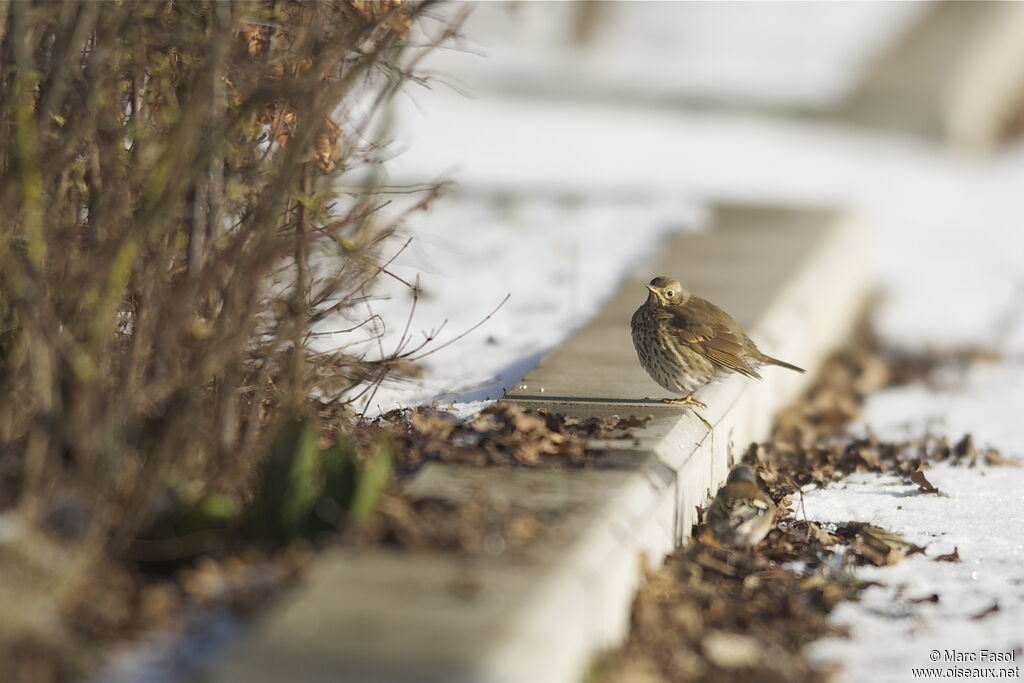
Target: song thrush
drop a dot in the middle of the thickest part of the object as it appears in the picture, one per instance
(685, 342)
(741, 513)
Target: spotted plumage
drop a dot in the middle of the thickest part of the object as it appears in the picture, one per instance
(685, 342)
(741, 514)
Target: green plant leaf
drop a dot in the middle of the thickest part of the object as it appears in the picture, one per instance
(341, 474)
(304, 482)
(371, 483)
(289, 483)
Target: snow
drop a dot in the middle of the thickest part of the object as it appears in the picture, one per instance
(630, 171)
(562, 194)
(572, 146)
(163, 656)
(569, 175)
(559, 197)
(950, 257)
(952, 277)
(982, 399)
(558, 259)
(983, 519)
(806, 54)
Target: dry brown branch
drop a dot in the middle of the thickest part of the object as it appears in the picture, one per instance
(173, 227)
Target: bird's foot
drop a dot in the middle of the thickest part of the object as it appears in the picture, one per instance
(687, 400)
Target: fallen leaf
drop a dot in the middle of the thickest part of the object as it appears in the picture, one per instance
(964, 447)
(820, 535)
(714, 564)
(991, 609)
(731, 650)
(994, 457)
(925, 486)
(879, 546)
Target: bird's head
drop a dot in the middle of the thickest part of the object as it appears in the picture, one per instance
(666, 291)
(742, 473)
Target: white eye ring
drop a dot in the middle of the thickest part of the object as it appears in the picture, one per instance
(669, 294)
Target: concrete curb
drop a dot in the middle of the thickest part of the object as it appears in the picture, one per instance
(956, 76)
(794, 278)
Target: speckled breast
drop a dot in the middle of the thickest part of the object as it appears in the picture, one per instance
(677, 370)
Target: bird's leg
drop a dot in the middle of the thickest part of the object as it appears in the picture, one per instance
(687, 400)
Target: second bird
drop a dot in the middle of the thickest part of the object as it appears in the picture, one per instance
(685, 342)
(741, 513)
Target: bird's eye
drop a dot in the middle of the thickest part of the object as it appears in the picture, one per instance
(669, 294)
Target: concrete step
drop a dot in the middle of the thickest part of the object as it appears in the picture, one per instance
(795, 279)
(957, 76)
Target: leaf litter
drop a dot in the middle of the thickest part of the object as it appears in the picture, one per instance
(170, 583)
(709, 613)
(717, 614)
(502, 435)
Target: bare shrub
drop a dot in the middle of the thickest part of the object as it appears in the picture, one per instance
(170, 234)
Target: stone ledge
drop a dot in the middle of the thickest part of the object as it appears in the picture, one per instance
(794, 279)
(956, 76)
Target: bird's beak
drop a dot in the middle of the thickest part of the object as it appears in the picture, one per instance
(651, 289)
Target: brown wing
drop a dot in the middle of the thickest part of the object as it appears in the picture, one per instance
(710, 331)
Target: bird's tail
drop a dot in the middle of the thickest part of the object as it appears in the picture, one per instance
(781, 363)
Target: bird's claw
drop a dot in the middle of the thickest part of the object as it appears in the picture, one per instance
(684, 401)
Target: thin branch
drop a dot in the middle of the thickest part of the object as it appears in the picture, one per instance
(461, 336)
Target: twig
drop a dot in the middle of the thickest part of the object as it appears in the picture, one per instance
(460, 336)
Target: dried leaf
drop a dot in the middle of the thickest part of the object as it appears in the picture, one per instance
(327, 146)
(925, 486)
(869, 455)
(882, 538)
(708, 561)
(732, 650)
(820, 535)
(254, 37)
(878, 546)
(991, 609)
(994, 457)
(392, 13)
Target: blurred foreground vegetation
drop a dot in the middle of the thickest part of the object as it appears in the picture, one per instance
(171, 236)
